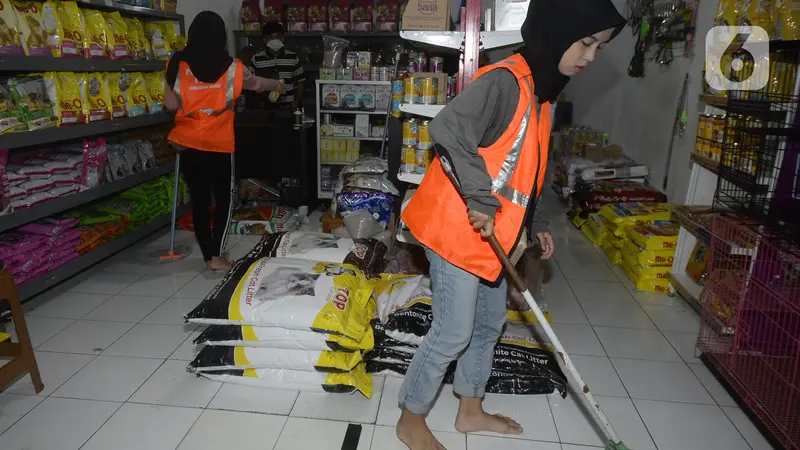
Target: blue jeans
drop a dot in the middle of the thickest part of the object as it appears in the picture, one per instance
(468, 318)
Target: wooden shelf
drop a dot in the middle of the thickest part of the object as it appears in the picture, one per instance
(714, 100)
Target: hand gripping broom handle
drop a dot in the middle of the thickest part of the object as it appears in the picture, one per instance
(576, 376)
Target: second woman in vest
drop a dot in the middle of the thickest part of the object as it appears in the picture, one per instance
(204, 82)
(491, 143)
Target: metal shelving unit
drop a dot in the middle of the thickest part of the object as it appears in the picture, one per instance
(20, 63)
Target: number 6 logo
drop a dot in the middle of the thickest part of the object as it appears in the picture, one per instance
(737, 58)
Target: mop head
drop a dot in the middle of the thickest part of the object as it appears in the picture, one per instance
(180, 253)
(612, 446)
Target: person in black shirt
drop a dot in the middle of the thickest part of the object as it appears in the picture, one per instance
(276, 62)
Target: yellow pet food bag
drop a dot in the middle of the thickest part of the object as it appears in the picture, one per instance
(614, 254)
(97, 105)
(138, 100)
(119, 84)
(621, 215)
(599, 228)
(155, 83)
(10, 42)
(38, 27)
(759, 13)
(155, 35)
(135, 44)
(655, 285)
(655, 236)
(71, 18)
(171, 33)
(64, 89)
(645, 272)
(95, 41)
(788, 12)
(647, 257)
(117, 36)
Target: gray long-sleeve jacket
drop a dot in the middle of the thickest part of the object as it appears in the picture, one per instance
(478, 117)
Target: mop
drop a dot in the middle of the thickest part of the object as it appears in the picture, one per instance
(174, 253)
(613, 442)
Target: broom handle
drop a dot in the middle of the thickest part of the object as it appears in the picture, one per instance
(175, 201)
(573, 371)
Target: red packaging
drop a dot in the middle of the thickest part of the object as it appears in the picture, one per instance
(339, 13)
(272, 12)
(4, 191)
(361, 15)
(387, 15)
(297, 16)
(250, 14)
(318, 15)
(593, 196)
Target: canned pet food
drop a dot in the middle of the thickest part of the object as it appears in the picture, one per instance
(436, 64)
(409, 159)
(429, 91)
(421, 160)
(451, 87)
(421, 62)
(424, 136)
(397, 87)
(718, 128)
(705, 149)
(708, 131)
(412, 61)
(395, 104)
(411, 91)
(410, 132)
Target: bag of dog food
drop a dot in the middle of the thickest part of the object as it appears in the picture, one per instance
(10, 42)
(38, 31)
(156, 83)
(338, 383)
(10, 117)
(646, 257)
(214, 358)
(71, 19)
(655, 236)
(118, 85)
(97, 105)
(95, 41)
(250, 15)
(117, 29)
(65, 91)
(618, 216)
(291, 293)
(137, 100)
(33, 102)
(274, 337)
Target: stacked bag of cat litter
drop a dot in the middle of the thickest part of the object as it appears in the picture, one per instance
(39, 247)
(293, 314)
(522, 364)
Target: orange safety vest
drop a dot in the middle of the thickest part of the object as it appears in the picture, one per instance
(437, 214)
(204, 120)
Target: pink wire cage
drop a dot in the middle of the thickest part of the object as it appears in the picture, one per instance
(750, 328)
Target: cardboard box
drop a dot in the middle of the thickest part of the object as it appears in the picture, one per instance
(343, 130)
(427, 15)
(362, 125)
(353, 146)
(352, 155)
(383, 98)
(331, 96)
(441, 80)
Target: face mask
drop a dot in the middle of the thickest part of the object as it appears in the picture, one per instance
(274, 45)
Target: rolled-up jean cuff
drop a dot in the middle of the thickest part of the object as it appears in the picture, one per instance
(416, 408)
(467, 391)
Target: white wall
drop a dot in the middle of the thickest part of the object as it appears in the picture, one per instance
(638, 113)
(227, 9)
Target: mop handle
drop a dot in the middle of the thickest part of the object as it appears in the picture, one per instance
(175, 201)
(576, 376)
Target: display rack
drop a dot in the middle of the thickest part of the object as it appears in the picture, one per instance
(11, 65)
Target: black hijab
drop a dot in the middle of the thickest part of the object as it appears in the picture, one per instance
(551, 27)
(206, 49)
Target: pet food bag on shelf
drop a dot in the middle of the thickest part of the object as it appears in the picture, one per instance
(66, 93)
(32, 100)
(296, 380)
(214, 358)
(618, 216)
(97, 101)
(38, 27)
(118, 85)
(274, 337)
(95, 41)
(72, 24)
(138, 98)
(118, 47)
(10, 42)
(156, 83)
(291, 293)
(10, 116)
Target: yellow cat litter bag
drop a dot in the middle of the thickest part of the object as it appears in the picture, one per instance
(95, 41)
(618, 216)
(156, 83)
(117, 36)
(788, 12)
(294, 294)
(655, 236)
(10, 42)
(297, 380)
(65, 90)
(119, 84)
(655, 285)
(156, 32)
(39, 28)
(138, 99)
(135, 44)
(648, 257)
(97, 105)
(759, 13)
(71, 19)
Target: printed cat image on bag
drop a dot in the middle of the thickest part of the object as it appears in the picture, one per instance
(37, 38)
(283, 282)
(10, 43)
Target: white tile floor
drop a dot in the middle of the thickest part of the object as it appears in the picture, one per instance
(112, 348)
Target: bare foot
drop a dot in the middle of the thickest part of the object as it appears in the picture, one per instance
(414, 432)
(218, 263)
(477, 421)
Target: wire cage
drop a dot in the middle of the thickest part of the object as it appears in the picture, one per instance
(750, 324)
(759, 170)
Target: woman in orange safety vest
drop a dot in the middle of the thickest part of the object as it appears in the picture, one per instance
(491, 143)
(204, 82)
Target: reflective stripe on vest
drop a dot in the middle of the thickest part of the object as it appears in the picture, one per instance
(230, 82)
(500, 183)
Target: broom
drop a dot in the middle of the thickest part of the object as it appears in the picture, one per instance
(613, 442)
